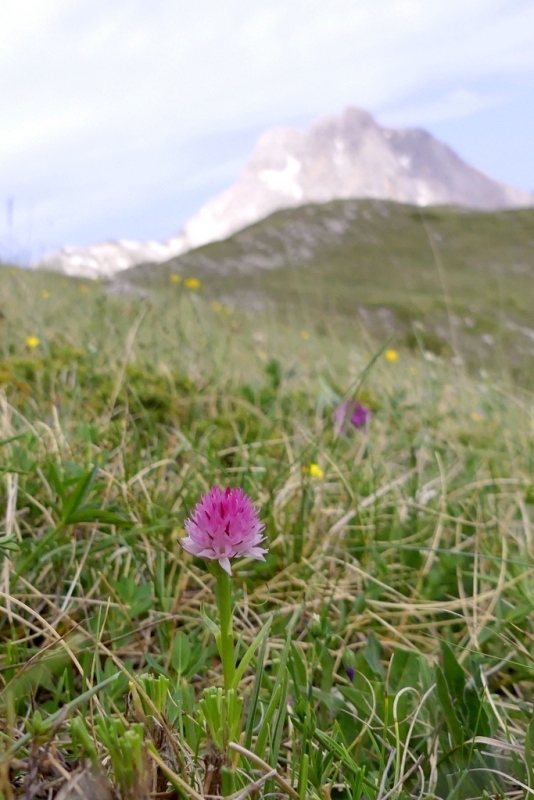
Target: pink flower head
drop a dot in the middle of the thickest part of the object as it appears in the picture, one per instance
(350, 411)
(224, 525)
(360, 415)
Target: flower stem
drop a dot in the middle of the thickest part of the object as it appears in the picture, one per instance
(224, 601)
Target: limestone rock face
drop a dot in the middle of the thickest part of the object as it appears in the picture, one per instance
(343, 157)
(338, 157)
(107, 259)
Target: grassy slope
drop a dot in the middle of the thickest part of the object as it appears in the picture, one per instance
(409, 561)
(464, 278)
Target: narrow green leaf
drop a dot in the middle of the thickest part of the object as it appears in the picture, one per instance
(14, 438)
(263, 734)
(245, 661)
(82, 488)
(55, 481)
(181, 653)
(476, 717)
(278, 726)
(275, 698)
(9, 543)
(303, 776)
(251, 710)
(453, 723)
(151, 661)
(298, 667)
(330, 744)
(92, 513)
(371, 653)
(454, 675)
(210, 624)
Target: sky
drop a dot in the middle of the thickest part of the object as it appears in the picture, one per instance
(119, 120)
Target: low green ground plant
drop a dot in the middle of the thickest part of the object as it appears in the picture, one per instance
(383, 649)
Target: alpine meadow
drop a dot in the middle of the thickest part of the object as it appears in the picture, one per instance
(268, 515)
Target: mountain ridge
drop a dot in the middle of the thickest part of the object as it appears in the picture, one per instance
(345, 156)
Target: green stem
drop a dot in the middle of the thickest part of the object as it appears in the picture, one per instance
(224, 601)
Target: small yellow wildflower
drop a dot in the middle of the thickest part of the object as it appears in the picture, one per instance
(391, 356)
(315, 471)
(32, 341)
(305, 335)
(217, 306)
(174, 278)
(45, 293)
(192, 283)
(476, 416)
(83, 288)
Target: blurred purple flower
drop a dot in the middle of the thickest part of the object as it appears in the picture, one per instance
(224, 525)
(361, 415)
(351, 672)
(350, 411)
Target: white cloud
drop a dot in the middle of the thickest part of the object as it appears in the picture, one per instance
(458, 102)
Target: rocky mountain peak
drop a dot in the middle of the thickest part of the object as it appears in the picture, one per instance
(337, 157)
